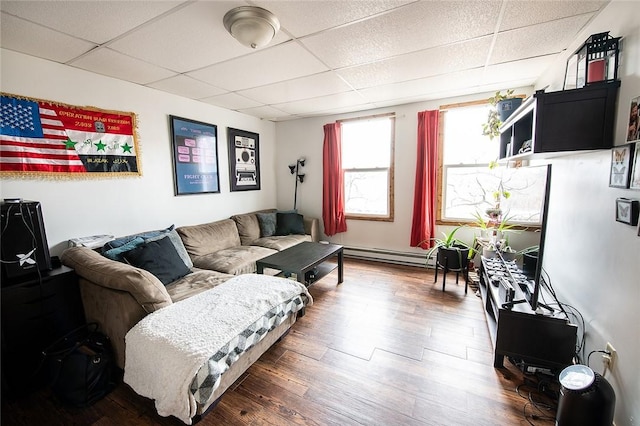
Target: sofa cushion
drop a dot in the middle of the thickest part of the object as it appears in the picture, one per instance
(234, 260)
(267, 222)
(281, 242)
(196, 282)
(209, 237)
(248, 227)
(289, 223)
(160, 258)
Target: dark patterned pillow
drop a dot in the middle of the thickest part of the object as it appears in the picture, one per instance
(160, 258)
(289, 223)
(267, 222)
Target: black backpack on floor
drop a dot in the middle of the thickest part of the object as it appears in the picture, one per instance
(81, 366)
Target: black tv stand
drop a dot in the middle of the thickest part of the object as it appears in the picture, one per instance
(520, 333)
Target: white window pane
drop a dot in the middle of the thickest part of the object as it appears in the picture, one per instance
(471, 189)
(366, 143)
(463, 140)
(366, 192)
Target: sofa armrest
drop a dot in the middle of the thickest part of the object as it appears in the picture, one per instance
(312, 227)
(147, 290)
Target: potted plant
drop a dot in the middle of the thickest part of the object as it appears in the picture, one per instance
(452, 253)
(529, 259)
(504, 105)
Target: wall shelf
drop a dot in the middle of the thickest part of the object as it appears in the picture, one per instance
(563, 122)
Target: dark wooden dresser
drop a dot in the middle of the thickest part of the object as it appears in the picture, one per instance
(36, 311)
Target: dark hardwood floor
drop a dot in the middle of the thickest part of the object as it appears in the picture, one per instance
(386, 347)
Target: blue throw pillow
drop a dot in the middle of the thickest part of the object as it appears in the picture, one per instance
(144, 235)
(160, 258)
(267, 222)
(289, 223)
(117, 253)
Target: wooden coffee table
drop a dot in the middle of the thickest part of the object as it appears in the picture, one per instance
(305, 257)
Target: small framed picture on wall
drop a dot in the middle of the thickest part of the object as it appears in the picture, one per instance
(635, 168)
(244, 160)
(633, 130)
(621, 163)
(627, 211)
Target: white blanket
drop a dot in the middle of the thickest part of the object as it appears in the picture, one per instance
(166, 348)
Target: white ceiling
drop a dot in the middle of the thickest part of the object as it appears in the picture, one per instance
(329, 56)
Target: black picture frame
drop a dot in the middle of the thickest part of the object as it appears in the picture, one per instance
(244, 160)
(627, 211)
(621, 164)
(195, 156)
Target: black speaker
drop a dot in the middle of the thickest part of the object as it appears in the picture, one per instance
(24, 248)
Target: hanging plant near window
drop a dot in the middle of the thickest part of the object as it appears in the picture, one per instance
(494, 121)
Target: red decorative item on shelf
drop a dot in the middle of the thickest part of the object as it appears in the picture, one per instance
(596, 61)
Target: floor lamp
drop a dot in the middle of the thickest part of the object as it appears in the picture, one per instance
(295, 169)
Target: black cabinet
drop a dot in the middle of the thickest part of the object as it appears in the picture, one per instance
(558, 122)
(542, 340)
(35, 313)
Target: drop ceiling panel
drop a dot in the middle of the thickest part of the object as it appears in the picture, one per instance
(424, 86)
(114, 64)
(279, 63)
(266, 112)
(31, 39)
(519, 14)
(301, 88)
(339, 100)
(537, 40)
(425, 63)
(301, 18)
(191, 38)
(528, 69)
(410, 28)
(86, 19)
(187, 87)
(232, 101)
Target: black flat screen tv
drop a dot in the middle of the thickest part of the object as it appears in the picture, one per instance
(538, 280)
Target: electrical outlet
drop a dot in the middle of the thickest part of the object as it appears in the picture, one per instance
(610, 360)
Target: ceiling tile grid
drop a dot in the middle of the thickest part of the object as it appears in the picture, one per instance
(330, 56)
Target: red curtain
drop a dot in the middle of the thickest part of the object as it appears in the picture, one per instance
(332, 179)
(424, 199)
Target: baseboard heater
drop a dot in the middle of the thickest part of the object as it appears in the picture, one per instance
(388, 256)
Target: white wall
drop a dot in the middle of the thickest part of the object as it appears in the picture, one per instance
(594, 261)
(304, 138)
(75, 208)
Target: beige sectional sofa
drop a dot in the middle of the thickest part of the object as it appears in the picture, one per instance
(118, 295)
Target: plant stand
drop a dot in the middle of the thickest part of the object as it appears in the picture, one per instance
(453, 260)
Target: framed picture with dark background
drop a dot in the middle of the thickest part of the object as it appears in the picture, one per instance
(244, 160)
(621, 163)
(627, 211)
(195, 156)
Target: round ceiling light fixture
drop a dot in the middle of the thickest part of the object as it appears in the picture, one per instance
(252, 26)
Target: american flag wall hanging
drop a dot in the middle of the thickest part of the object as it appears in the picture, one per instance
(45, 138)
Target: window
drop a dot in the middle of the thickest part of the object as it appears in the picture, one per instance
(367, 164)
(469, 185)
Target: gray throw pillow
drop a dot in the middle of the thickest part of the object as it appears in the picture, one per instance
(267, 222)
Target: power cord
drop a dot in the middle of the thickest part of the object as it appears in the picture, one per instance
(606, 365)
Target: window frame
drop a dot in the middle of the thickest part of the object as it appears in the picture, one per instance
(391, 170)
(440, 198)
